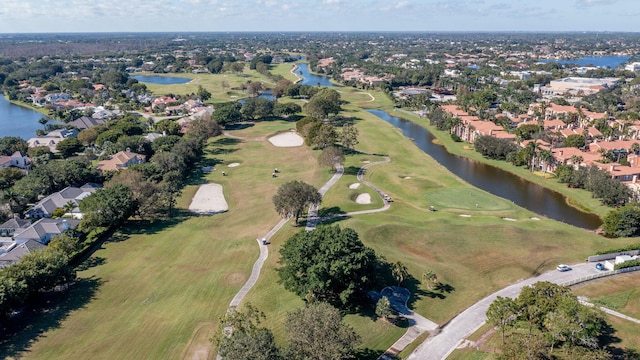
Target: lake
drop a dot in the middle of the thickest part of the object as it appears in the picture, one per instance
(610, 62)
(502, 183)
(311, 79)
(17, 120)
(161, 80)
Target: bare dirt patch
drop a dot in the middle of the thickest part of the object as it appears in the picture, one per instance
(199, 347)
(417, 252)
(234, 278)
(287, 139)
(209, 199)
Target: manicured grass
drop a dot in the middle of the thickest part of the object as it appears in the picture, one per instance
(467, 199)
(620, 293)
(157, 284)
(469, 354)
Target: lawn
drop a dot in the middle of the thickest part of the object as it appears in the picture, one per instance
(155, 285)
(620, 293)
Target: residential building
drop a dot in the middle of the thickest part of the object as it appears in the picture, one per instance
(68, 197)
(17, 159)
(121, 160)
(44, 229)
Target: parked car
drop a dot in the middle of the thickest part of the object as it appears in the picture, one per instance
(599, 266)
(563, 267)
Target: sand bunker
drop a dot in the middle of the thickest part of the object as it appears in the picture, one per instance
(354, 186)
(287, 139)
(209, 199)
(465, 215)
(407, 177)
(234, 164)
(535, 218)
(363, 199)
(509, 219)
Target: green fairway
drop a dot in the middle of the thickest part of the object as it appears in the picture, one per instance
(156, 285)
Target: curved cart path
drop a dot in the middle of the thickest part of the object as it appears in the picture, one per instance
(467, 322)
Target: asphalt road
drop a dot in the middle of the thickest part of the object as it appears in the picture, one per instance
(441, 345)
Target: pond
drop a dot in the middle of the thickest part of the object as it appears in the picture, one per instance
(18, 121)
(526, 194)
(311, 79)
(161, 80)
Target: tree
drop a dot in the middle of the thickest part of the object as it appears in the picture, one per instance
(239, 336)
(325, 102)
(11, 144)
(400, 271)
(574, 140)
(227, 113)
(383, 308)
(328, 264)
(430, 278)
(349, 136)
(107, 207)
(293, 197)
(8, 177)
(622, 222)
(330, 156)
(322, 135)
(502, 313)
(203, 93)
(286, 109)
(316, 332)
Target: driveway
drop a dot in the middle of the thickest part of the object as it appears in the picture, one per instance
(441, 345)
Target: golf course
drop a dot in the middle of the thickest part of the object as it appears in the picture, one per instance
(156, 290)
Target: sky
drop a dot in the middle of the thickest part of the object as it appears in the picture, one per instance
(46, 16)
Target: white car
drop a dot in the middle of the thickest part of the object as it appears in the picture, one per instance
(563, 267)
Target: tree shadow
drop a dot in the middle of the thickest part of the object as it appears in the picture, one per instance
(351, 170)
(151, 226)
(21, 331)
(91, 262)
(367, 354)
(333, 220)
(238, 126)
(221, 151)
(226, 141)
(334, 210)
(608, 340)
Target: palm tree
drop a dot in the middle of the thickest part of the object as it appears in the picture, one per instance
(399, 271)
(545, 156)
(430, 278)
(533, 147)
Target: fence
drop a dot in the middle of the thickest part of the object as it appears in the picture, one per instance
(600, 275)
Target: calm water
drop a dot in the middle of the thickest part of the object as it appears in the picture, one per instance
(162, 80)
(610, 62)
(494, 180)
(309, 78)
(18, 121)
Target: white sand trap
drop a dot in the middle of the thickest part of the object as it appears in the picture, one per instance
(209, 199)
(233, 164)
(407, 177)
(509, 219)
(287, 139)
(535, 218)
(465, 215)
(354, 186)
(363, 199)
(366, 161)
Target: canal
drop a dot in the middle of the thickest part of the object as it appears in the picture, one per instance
(502, 183)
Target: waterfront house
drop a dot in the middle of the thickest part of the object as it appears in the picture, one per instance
(17, 159)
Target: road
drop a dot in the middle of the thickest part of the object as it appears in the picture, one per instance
(441, 345)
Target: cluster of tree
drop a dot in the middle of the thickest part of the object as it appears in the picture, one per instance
(543, 318)
(39, 271)
(327, 264)
(623, 221)
(314, 332)
(324, 103)
(322, 135)
(494, 148)
(610, 191)
(252, 109)
(49, 177)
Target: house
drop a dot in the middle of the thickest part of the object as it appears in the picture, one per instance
(18, 251)
(9, 227)
(121, 160)
(17, 159)
(44, 229)
(86, 122)
(66, 197)
(52, 139)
